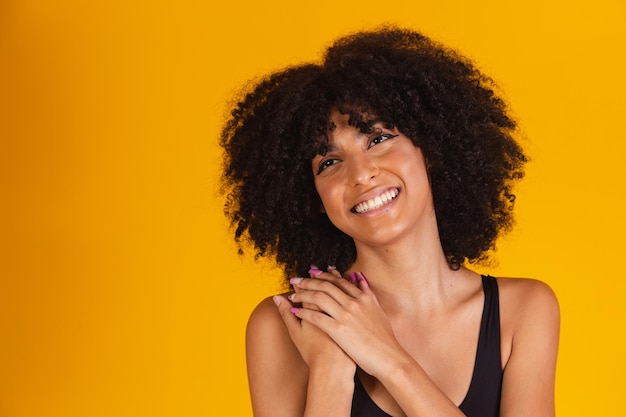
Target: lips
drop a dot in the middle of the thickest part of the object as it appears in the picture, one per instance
(379, 201)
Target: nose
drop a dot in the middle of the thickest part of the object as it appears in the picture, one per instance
(361, 169)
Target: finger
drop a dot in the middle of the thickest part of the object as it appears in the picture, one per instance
(336, 279)
(321, 295)
(319, 301)
(296, 290)
(358, 280)
(331, 276)
(333, 270)
(316, 272)
(286, 310)
(362, 283)
(317, 318)
(296, 302)
(326, 283)
(313, 272)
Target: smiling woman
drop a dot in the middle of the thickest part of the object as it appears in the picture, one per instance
(373, 185)
(431, 94)
(391, 166)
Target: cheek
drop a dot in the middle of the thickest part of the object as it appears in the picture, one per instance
(328, 192)
(324, 194)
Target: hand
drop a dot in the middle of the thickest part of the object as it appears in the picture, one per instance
(315, 346)
(350, 315)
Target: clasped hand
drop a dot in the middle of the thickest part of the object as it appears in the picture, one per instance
(339, 320)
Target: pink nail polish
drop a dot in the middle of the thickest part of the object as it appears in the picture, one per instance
(294, 310)
(353, 277)
(361, 277)
(315, 272)
(291, 296)
(295, 281)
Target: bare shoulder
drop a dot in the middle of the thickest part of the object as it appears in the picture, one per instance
(267, 335)
(530, 322)
(524, 296)
(530, 317)
(265, 317)
(277, 374)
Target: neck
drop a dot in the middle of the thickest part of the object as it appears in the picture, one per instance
(409, 276)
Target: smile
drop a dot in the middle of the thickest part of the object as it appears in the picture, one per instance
(377, 202)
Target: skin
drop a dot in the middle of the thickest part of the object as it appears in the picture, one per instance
(409, 321)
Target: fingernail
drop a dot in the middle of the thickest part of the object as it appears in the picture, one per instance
(353, 277)
(331, 267)
(277, 300)
(362, 278)
(291, 296)
(295, 281)
(294, 310)
(313, 266)
(314, 271)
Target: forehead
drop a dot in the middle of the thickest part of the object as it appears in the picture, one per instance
(341, 117)
(360, 119)
(352, 123)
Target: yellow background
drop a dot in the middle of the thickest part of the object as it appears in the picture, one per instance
(121, 293)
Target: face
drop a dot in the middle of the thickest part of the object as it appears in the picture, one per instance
(373, 186)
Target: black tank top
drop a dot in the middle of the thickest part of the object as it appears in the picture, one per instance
(483, 396)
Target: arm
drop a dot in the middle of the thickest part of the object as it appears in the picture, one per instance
(353, 318)
(276, 373)
(356, 322)
(530, 312)
(287, 382)
(530, 333)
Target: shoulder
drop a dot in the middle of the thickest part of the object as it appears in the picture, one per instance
(527, 297)
(265, 317)
(530, 316)
(276, 370)
(267, 334)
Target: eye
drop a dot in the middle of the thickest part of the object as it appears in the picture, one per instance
(325, 163)
(380, 138)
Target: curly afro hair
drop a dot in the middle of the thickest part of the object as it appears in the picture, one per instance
(430, 93)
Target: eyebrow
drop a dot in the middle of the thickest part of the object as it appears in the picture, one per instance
(372, 122)
(327, 147)
(367, 126)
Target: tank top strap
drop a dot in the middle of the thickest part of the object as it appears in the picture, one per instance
(483, 396)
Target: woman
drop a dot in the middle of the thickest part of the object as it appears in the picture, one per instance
(380, 174)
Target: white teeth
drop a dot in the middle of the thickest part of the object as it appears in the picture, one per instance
(377, 201)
